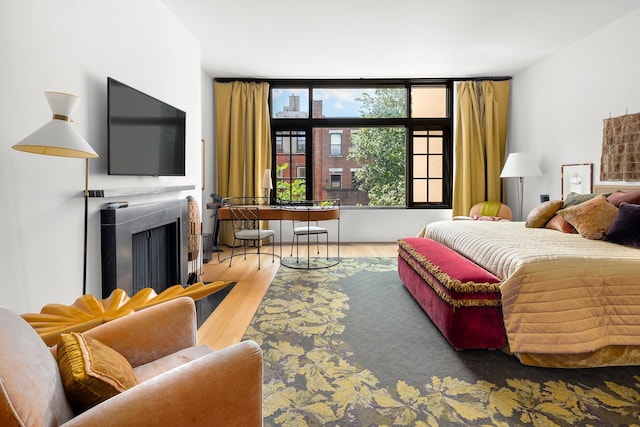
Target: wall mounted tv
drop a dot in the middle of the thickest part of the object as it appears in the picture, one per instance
(145, 135)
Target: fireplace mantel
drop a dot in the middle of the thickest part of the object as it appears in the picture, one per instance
(123, 192)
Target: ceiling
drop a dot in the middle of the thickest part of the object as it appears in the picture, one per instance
(387, 38)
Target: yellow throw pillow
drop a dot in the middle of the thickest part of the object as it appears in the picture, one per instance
(592, 218)
(542, 213)
(91, 371)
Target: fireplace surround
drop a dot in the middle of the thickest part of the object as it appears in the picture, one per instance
(144, 246)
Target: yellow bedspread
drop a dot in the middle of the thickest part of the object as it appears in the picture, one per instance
(561, 293)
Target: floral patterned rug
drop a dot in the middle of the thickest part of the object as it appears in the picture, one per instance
(348, 345)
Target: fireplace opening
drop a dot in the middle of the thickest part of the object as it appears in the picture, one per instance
(155, 258)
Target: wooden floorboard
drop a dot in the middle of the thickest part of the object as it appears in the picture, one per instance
(228, 323)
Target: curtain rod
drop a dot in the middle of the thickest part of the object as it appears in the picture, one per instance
(479, 79)
(455, 79)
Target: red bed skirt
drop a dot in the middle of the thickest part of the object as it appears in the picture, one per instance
(461, 298)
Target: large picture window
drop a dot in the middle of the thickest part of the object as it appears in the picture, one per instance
(391, 137)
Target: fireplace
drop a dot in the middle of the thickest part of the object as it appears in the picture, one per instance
(144, 246)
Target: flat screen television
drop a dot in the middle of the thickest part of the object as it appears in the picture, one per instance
(145, 135)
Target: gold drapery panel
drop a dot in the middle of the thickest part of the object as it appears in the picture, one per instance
(620, 159)
(243, 140)
(480, 142)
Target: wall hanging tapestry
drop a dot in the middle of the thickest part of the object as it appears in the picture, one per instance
(621, 149)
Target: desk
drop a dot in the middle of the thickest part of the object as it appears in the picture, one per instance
(265, 212)
(295, 213)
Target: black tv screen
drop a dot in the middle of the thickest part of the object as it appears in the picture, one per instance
(145, 135)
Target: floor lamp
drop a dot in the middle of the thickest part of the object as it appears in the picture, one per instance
(519, 165)
(59, 138)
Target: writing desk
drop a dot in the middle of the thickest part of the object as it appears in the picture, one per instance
(265, 212)
(293, 213)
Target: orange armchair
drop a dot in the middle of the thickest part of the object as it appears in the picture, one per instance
(179, 382)
(492, 209)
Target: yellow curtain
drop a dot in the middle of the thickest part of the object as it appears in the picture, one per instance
(480, 143)
(243, 140)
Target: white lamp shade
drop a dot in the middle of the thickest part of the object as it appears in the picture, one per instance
(266, 179)
(58, 137)
(518, 165)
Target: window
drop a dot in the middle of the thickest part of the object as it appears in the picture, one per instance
(354, 178)
(397, 147)
(427, 162)
(291, 165)
(300, 145)
(336, 143)
(352, 102)
(290, 103)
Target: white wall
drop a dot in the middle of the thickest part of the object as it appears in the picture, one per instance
(558, 105)
(73, 46)
(362, 225)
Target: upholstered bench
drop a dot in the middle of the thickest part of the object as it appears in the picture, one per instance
(462, 299)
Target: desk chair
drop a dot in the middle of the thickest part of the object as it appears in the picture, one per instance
(245, 218)
(308, 229)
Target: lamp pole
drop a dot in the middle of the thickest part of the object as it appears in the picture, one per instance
(86, 225)
(520, 195)
(519, 165)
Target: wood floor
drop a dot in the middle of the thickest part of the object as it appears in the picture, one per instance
(228, 323)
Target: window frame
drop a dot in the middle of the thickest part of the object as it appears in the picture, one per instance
(410, 124)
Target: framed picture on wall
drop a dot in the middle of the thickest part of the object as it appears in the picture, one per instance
(577, 178)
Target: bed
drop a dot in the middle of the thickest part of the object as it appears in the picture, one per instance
(567, 301)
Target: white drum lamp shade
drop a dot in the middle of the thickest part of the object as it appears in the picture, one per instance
(266, 180)
(519, 165)
(266, 183)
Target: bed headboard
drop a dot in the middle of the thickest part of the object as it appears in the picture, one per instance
(608, 188)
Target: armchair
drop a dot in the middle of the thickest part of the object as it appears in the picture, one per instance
(491, 209)
(179, 382)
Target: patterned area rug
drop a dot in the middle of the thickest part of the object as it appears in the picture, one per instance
(348, 345)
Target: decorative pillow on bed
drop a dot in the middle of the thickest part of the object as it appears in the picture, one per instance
(560, 224)
(625, 228)
(542, 213)
(619, 197)
(592, 218)
(577, 198)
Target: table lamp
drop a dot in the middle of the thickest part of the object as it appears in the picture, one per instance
(266, 183)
